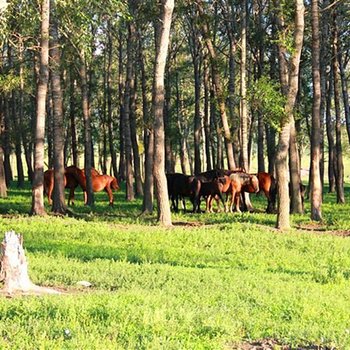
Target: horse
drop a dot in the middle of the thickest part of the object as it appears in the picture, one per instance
(242, 182)
(268, 185)
(75, 176)
(179, 186)
(99, 182)
(106, 183)
(72, 178)
(213, 189)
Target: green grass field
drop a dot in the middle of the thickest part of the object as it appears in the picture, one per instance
(214, 281)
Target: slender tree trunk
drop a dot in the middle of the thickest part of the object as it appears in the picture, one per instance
(296, 206)
(88, 154)
(169, 166)
(109, 104)
(219, 92)
(38, 181)
(148, 189)
(162, 35)
(3, 187)
(345, 94)
(122, 164)
(339, 174)
(243, 104)
(316, 184)
(58, 205)
(135, 145)
(330, 136)
(72, 111)
(207, 118)
(127, 132)
(7, 143)
(283, 144)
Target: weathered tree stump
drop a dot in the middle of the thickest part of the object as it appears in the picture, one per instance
(14, 268)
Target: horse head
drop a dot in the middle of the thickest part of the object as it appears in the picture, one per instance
(114, 184)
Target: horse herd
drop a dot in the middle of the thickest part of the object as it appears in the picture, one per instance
(210, 185)
(213, 184)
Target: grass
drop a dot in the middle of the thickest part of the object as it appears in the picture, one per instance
(211, 282)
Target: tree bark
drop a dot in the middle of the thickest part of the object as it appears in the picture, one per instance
(330, 135)
(207, 118)
(162, 42)
(59, 205)
(316, 184)
(219, 92)
(88, 154)
(148, 189)
(284, 138)
(130, 195)
(121, 87)
(112, 150)
(38, 180)
(339, 173)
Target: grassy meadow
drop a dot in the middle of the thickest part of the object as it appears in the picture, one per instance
(213, 281)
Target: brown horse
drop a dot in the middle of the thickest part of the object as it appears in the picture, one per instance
(242, 182)
(72, 178)
(267, 184)
(99, 183)
(75, 176)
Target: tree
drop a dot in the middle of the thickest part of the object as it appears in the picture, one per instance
(291, 83)
(38, 180)
(316, 185)
(59, 205)
(162, 43)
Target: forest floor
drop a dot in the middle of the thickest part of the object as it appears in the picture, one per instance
(213, 281)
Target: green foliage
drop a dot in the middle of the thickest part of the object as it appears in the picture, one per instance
(9, 82)
(211, 281)
(265, 97)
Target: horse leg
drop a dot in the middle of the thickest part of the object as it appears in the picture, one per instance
(233, 196)
(110, 195)
(71, 196)
(238, 197)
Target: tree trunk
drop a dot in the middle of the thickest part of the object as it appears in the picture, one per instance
(283, 144)
(330, 135)
(219, 92)
(316, 184)
(121, 87)
(148, 190)
(296, 206)
(162, 42)
(345, 94)
(38, 181)
(207, 118)
(109, 104)
(14, 267)
(3, 188)
(72, 119)
(169, 166)
(59, 205)
(133, 132)
(127, 132)
(88, 154)
(339, 173)
(7, 144)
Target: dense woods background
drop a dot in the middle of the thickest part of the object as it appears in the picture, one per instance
(253, 84)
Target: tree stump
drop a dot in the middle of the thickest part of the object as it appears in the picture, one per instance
(14, 268)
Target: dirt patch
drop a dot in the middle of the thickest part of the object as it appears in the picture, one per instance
(271, 344)
(188, 224)
(317, 228)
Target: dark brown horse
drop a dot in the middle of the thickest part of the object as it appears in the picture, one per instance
(72, 179)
